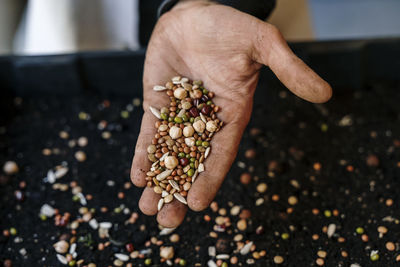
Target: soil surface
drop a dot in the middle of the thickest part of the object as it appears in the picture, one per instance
(340, 160)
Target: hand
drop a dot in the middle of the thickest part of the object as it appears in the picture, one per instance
(224, 48)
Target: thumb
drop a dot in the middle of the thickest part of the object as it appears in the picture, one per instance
(271, 49)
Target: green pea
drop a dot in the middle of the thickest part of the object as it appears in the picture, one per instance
(324, 127)
(181, 155)
(147, 261)
(205, 91)
(192, 159)
(117, 210)
(75, 198)
(187, 156)
(374, 257)
(164, 116)
(124, 114)
(205, 143)
(198, 143)
(328, 213)
(13, 231)
(191, 165)
(285, 236)
(209, 102)
(43, 217)
(171, 119)
(191, 119)
(224, 264)
(182, 262)
(185, 118)
(359, 230)
(72, 263)
(190, 172)
(178, 120)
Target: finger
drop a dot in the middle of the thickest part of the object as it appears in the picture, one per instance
(271, 49)
(148, 201)
(140, 163)
(172, 214)
(224, 147)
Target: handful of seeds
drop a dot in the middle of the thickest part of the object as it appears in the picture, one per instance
(183, 138)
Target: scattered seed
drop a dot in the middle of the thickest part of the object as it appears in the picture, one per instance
(10, 167)
(278, 259)
(180, 198)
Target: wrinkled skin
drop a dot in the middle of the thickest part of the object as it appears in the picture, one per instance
(224, 48)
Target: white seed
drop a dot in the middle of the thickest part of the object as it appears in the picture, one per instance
(180, 198)
(94, 224)
(163, 128)
(160, 204)
(80, 156)
(188, 131)
(175, 132)
(207, 152)
(72, 248)
(82, 141)
(10, 167)
(190, 141)
(211, 126)
(174, 185)
(167, 252)
(105, 225)
(176, 80)
(203, 118)
(235, 210)
(211, 263)
(201, 168)
(164, 194)
(331, 230)
(199, 126)
(212, 251)
(184, 80)
(246, 248)
(168, 198)
(181, 113)
(163, 175)
(222, 256)
(186, 186)
(167, 231)
(47, 210)
(60, 172)
(171, 162)
(62, 259)
(186, 105)
(164, 156)
(61, 246)
(195, 176)
(180, 93)
(187, 86)
(122, 257)
(155, 112)
(159, 88)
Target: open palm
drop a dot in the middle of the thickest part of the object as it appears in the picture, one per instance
(224, 48)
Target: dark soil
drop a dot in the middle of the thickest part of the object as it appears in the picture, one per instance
(294, 133)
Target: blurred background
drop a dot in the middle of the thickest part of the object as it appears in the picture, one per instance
(35, 27)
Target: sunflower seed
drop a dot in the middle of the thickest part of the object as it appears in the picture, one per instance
(201, 168)
(331, 230)
(159, 88)
(246, 248)
(194, 176)
(94, 224)
(211, 263)
(222, 256)
(207, 152)
(180, 198)
(160, 204)
(61, 172)
(164, 193)
(164, 156)
(155, 112)
(174, 185)
(163, 175)
(72, 248)
(167, 231)
(105, 225)
(62, 259)
(122, 257)
(212, 251)
(203, 118)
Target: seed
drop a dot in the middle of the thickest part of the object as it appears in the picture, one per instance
(186, 105)
(201, 168)
(174, 185)
(151, 149)
(382, 229)
(174, 238)
(147, 261)
(211, 126)
(163, 175)
(160, 204)
(82, 141)
(188, 131)
(168, 199)
(250, 153)
(180, 198)
(158, 190)
(321, 253)
(180, 93)
(245, 178)
(178, 120)
(199, 126)
(327, 213)
(190, 172)
(262, 187)
(205, 143)
(10, 167)
(190, 141)
(374, 255)
(207, 152)
(320, 262)
(175, 132)
(80, 156)
(167, 252)
(359, 230)
(159, 88)
(206, 110)
(372, 161)
(242, 224)
(285, 236)
(170, 162)
(155, 112)
(292, 200)
(61, 246)
(186, 186)
(390, 246)
(278, 259)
